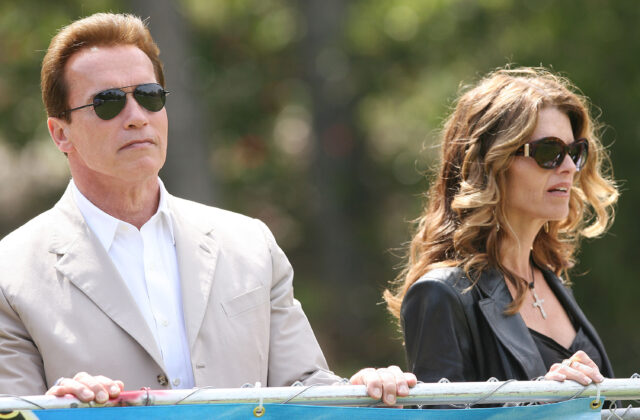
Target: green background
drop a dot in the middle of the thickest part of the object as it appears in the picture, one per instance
(321, 117)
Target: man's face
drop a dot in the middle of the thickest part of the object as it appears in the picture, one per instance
(128, 148)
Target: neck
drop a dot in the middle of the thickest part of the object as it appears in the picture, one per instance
(515, 249)
(134, 203)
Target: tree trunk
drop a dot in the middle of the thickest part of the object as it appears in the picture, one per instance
(336, 160)
(186, 172)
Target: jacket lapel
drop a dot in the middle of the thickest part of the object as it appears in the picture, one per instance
(197, 253)
(510, 330)
(86, 264)
(569, 303)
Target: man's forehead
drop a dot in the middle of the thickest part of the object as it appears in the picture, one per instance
(108, 57)
(102, 67)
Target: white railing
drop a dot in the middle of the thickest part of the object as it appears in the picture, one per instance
(426, 394)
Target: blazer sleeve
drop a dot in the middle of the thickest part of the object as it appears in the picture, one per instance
(21, 367)
(294, 353)
(437, 333)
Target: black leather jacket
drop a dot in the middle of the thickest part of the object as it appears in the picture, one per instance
(466, 336)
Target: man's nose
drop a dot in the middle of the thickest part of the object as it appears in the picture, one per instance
(134, 114)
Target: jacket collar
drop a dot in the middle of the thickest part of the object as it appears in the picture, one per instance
(510, 330)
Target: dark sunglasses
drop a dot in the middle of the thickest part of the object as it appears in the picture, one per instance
(108, 103)
(549, 152)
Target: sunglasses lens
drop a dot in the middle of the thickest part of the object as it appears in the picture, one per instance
(579, 152)
(151, 96)
(549, 153)
(109, 103)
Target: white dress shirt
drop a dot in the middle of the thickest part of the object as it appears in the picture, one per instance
(146, 260)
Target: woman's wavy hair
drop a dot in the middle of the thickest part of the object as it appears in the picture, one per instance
(465, 203)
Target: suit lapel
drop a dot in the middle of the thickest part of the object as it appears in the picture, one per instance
(510, 330)
(86, 264)
(197, 253)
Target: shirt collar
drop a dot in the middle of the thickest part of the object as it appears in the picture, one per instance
(105, 226)
(164, 210)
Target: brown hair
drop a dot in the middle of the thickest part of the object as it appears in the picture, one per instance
(106, 29)
(465, 202)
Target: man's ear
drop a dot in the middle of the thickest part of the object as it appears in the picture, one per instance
(59, 132)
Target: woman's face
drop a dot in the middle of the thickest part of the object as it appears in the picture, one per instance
(535, 195)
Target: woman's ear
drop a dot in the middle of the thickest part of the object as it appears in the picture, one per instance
(59, 132)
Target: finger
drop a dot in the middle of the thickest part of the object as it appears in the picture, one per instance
(580, 356)
(590, 371)
(583, 358)
(113, 387)
(555, 376)
(101, 393)
(576, 375)
(389, 385)
(402, 386)
(70, 386)
(358, 377)
(555, 372)
(411, 379)
(120, 385)
(373, 382)
(370, 379)
(57, 391)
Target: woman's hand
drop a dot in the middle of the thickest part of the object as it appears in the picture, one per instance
(579, 368)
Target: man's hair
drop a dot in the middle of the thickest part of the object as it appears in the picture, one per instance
(100, 29)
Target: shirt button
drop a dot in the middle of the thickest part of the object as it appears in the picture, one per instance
(164, 322)
(176, 382)
(162, 380)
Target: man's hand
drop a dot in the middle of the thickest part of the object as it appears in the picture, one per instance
(87, 388)
(385, 383)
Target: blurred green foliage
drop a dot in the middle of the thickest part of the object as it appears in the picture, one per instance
(348, 119)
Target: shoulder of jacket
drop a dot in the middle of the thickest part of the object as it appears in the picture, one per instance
(207, 217)
(33, 230)
(453, 277)
(222, 222)
(194, 208)
(442, 289)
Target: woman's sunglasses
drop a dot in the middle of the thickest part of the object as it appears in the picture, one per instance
(549, 152)
(108, 103)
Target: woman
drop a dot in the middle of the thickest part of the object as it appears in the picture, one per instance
(521, 181)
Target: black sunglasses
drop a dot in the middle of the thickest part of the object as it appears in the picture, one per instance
(108, 103)
(549, 152)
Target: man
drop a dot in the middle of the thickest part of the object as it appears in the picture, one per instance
(124, 280)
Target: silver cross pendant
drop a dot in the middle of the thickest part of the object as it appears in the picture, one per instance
(538, 303)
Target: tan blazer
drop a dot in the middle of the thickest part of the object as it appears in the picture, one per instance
(64, 308)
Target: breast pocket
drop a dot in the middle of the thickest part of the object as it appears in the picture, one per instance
(238, 305)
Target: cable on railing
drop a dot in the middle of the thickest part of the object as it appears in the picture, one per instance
(202, 388)
(612, 409)
(22, 399)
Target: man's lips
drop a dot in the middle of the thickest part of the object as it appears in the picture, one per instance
(137, 143)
